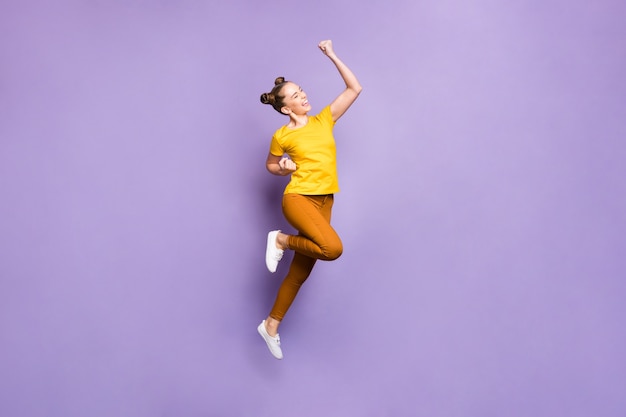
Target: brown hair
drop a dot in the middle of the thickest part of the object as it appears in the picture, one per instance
(274, 98)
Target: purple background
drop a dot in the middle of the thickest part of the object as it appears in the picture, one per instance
(482, 209)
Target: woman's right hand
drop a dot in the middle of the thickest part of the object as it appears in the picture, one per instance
(287, 166)
(279, 165)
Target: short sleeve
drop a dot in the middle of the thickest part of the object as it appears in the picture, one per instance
(275, 148)
(326, 117)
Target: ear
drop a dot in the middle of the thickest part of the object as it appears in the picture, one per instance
(285, 110)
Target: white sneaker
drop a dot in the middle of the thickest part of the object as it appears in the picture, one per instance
(273, 342)
(272, 254)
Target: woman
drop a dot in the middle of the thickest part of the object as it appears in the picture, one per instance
(308, 198)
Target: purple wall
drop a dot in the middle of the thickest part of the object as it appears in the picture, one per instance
(482, 210)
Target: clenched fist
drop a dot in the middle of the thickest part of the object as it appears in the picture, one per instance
(326, 47)
(287, 165)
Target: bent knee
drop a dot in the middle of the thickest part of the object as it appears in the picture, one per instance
(333, 252)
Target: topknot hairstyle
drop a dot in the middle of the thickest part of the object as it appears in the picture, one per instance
(274, 98)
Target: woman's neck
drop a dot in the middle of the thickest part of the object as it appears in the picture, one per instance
(297, 121)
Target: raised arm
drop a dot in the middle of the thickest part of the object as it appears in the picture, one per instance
(339, 106)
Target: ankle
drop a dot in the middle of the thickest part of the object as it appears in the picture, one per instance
(271, 326)
(282, 241)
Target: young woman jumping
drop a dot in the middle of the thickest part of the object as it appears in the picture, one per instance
(308, 198)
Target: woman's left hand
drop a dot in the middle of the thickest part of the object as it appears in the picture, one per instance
(326, 47)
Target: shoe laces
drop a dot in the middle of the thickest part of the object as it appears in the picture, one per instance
(278, 254)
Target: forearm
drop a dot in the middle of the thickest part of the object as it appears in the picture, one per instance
(275, 169)
(280, 166)
(352, 83)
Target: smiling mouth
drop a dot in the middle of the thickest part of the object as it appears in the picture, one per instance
(305, 102)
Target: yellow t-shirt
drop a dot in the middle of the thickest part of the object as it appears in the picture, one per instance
(312, 148)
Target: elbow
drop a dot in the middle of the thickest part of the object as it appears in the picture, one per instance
(273, 169)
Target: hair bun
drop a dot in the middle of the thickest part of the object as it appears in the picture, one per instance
(266, 98)
(274, 97)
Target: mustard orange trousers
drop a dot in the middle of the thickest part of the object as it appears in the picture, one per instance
(310, 216)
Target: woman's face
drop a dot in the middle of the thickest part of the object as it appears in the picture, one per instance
(295, 99)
